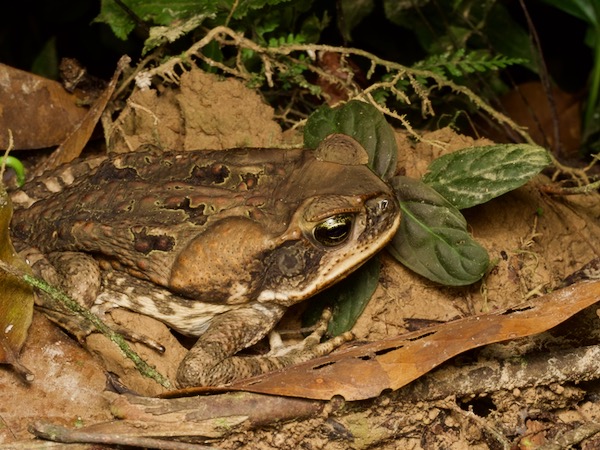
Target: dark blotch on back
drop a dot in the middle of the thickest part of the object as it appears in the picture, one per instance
(21, 229)
(108, 171)
(145, 243)
(196, 214)
(216, 173)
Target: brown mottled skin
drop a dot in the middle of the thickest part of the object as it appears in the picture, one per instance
(216, 244)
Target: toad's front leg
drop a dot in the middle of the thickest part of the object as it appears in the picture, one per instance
(213, 361)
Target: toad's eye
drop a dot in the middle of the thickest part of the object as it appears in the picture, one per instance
(334, 230)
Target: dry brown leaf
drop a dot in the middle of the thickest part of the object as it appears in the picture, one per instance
(74, 144)
(39, 111)
(529, 106)
(364, 372)
(16, 300)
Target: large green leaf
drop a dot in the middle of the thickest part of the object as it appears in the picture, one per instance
(508, 38)
(433, 239)
(364, 123)
(243, 8)
(154, 12)
(587, 10)
(475, 175)
(353, 12)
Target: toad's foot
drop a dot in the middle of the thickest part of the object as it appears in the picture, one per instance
(312, 343)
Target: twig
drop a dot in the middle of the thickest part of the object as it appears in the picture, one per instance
(575, 190)
(59, 433)
(9, 148)
(544, 77)
(560, 366)
(450, 403)
(573, 437)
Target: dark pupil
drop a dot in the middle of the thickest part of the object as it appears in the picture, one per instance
(333, 230)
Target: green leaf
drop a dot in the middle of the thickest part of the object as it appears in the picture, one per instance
(475, 175)
(154, 12)
(244, 7)
(587, 10)
(17, 166)
(46, 61)
(353, 12)
(114, 16)
(433, 239)
(163, 34)
(313, 26)
(364, 123)
(459, 63)
(509, 38)
(347, 299)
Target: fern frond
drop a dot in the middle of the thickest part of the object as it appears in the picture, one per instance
(459, 63)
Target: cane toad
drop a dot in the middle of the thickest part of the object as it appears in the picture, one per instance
(216, 244)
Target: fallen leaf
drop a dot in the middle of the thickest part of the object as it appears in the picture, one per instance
(365, 371)
(39, 111)
(529, 105)
(16, 300)
(73, 145)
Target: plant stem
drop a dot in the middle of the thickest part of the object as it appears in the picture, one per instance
(594, 87)
(576, 190)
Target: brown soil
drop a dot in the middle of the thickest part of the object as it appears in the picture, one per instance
(534, 240)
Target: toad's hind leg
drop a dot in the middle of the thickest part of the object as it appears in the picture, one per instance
(212, 360)
(79, 276)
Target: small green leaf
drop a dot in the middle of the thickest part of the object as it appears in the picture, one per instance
(347, 299)
(114, 16)
(17, 166)
(433, 239)
(244, 8)
(474, 175)
(364, 123)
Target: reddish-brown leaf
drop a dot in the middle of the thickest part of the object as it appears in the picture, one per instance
(73, 145)
(365, 371)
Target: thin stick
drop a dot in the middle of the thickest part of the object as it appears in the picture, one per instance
(59, 433)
